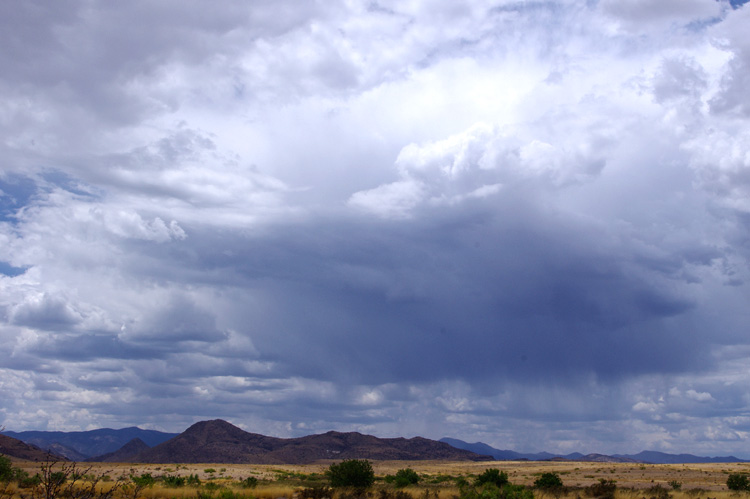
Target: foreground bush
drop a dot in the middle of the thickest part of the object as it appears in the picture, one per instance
(6, 469)
(605, 489)
(249, 483)
(491, 491)
(6, 475)
(28, 482)
(173, 480)
(65, 480)
(354, 473)
(658, 492)
(138, 484)
(494, 476)
(403, 478)
(738, 481)
(548, 481)
(492, 484)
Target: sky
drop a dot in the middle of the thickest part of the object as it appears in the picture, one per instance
(525, 223)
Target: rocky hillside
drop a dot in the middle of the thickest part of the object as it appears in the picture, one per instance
(125, 454)
(220, 442)
(14, 448)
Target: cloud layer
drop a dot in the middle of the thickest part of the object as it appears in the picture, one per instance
(524, 223)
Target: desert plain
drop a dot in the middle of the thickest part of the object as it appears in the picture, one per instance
(682, 481)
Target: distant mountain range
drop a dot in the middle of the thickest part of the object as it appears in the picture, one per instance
(82, 445)
(220, 442)
(652, 457)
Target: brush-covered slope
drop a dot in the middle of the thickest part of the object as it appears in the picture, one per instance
(14, 448)
(125, 454)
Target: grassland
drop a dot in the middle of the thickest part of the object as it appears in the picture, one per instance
(438, 479)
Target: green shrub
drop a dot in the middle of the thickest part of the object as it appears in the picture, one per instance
(58, 477)
(493, 476)
(738, 481)
(6, 469)
(605, 489)
(173, 480)
(658, 492)
(516, 492)
(548, 481)
(144, 480)
(29, 482)
(403, 477)
(354, 473)
(675, 484)
(467, 492)
(490, 491)
(139, 482)
(462, 482)
(249, 483)
(19, 474)
(223, 493)
(193, 480)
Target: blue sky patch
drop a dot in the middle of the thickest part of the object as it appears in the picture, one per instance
(11, 271)
(15, 193)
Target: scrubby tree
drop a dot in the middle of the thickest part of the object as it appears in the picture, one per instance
(6, 469)
(548, 481)
(52, 481)
(7, 473)
(356, 473)
(173, 480)
(249, 483)
(738, 481)
(493, 476)
(405, 477)
(605, 489)
(139, 483)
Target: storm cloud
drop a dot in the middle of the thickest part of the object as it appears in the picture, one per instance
(524, 223)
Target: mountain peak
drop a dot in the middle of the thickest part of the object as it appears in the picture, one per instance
(212, 424)
(218, 441)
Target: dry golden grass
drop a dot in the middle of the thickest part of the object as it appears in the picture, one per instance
(698, 481)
